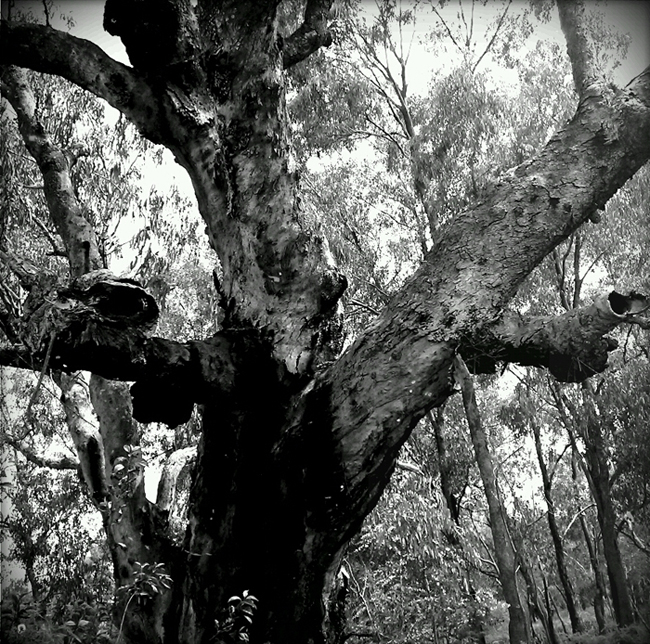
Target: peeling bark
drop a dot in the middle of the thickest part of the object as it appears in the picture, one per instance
(573, 346)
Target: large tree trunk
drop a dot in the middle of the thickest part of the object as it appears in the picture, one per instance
(504, 551)
(297, 442)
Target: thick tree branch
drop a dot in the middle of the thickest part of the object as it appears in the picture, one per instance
(50, 51)
(170, 377)
(573, 346)
(400, 367)
(310, 36)
(579, 48)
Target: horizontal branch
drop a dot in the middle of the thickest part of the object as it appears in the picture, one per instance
(100, 323)
(573, 346)
(51, 51)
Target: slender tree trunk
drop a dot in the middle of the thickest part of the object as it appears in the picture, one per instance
(503, 549)
(534, 602)
(452, 495)
(476, 618)
(596, 458)
(599, 594)
(567, 586)
(30, 573)
(550, 625)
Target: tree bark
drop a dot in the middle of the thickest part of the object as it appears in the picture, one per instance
(452, 489)
(135, 531)
(503, 549)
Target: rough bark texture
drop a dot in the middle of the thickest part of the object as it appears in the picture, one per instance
(283, 481)
(573, 346)
(451, 489)
(95, 313)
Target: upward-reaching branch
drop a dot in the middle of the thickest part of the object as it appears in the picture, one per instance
(66, 211)
(579, 46)
(50, 51)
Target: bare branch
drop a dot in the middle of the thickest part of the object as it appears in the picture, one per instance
(494, 36)
(446, 26)
(363, 305)
(55, 52)
(60, 463)
(579, 47)
(59, 252)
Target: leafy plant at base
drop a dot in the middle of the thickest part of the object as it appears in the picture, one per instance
(234, 628)
(149, 580)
